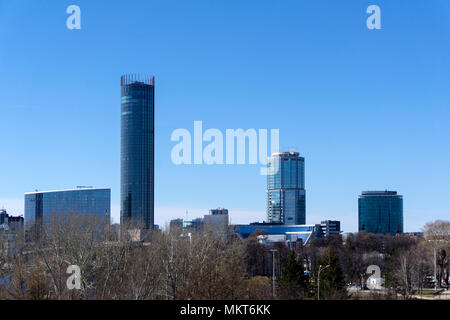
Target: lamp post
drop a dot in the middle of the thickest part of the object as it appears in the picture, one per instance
(435, 268)
(318, 280)
(273, 271)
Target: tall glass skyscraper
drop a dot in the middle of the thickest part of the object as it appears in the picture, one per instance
(286, 200)
(380, 212)
(137, 151)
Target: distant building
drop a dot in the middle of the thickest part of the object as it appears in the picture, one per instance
(278, 232)
(40, 206)
(416, 234)
(286, 200)
(194, 225)
(15, 223)
(218, 211)
(137, 160)
(329, 227)
(11, 223)
(3, 216)
(11, 228)
(380, 212)
(217, 218)
(176, 224)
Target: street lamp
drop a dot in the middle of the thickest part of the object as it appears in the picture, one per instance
(434, 263)
(318, 280)
(273, 271)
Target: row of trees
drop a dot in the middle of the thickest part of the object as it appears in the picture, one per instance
(407, 263)
(213, 264)
(170, 266)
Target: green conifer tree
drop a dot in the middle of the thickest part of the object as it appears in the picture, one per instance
(332, 281)
(293, 283)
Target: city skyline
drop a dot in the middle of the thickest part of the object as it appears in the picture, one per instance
(367, 109)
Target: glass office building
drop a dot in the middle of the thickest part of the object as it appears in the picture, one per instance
(43, 205)
(137, 151)
(278, 232)
(286, 199)
(380, 212)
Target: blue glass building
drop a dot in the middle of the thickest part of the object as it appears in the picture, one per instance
(137, 151)
(380, 212)
(289, 233)
(286, 199)
(42, 205)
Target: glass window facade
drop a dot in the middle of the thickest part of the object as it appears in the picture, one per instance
(137, 152)
(286, 197)
(297, 232)
(380, 212)
(43, 205)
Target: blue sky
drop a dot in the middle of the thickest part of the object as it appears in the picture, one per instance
(368, 109)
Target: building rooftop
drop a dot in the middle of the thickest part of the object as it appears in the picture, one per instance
(66, 190)
(303, 232)
(379, 193)
(285, 154)
(128, 79)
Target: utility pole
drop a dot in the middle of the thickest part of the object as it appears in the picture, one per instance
(435, 275)
(318, 280)
(273, 271)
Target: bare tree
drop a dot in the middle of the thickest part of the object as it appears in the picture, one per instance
(437, 233)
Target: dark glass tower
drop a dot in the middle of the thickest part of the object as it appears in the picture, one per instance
(137, 156)
(380, 212)
(286, 188)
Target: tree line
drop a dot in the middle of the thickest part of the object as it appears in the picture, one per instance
(214, 264)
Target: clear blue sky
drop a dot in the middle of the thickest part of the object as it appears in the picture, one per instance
(368, 109)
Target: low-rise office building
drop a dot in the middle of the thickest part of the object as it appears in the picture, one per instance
(42, 206)
(273, 232)
(328, 228)
(217, 219)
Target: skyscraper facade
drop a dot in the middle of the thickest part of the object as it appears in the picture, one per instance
(380, 212)
(286, 199)
(137, 151)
